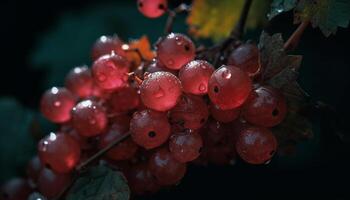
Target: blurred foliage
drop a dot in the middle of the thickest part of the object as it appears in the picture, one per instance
(139, 49)
(215, 19)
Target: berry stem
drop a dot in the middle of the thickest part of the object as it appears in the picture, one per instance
(172, 15)
(238, 31)
(102, 151)
(294, 39)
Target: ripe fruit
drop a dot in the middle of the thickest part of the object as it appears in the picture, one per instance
(89, 118)
(191, 112)
(56, 104)
(110, 71)
(265, 107)
(176, 50)
(80, 82)
(195, 76)
(15, 189)
(157, 66)
(246, 57)
(160, 91)
(124, 100)
(185, 146)
(106, 45)
(141, 181)
(50, 183)
(33, 169)
(229, 87)
(224, 116)
(122, 151)
(256, 145)
(152, 8)
(165, 168)
(60, 152)
(149, 128)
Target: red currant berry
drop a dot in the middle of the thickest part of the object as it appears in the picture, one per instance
(152, 8)
(110, 71)
(106, 45)
(185, 146)
(256, 145)
(50, 183)
(34, 167)
(141, 180)
(124, 100)
(84, 142)
(60, 152)
(36, 196)
(176, 50)
(124, 150)
(149, 128)
(157, 66)
(229, 87)
(80, 82)
(191, 112)
(223, 154)
(195, 76)
(89, 118)
(265, 107)
(15, 189)
(56, 104)
(246, 57)
(160, 91)
(121, 123)
(224, 116)
(165, 168)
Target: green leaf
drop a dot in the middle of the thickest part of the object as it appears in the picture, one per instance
(279, 6)
(16, 144)
(100, 183)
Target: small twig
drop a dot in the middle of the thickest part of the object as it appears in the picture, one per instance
(294, 39)
(172, 15)
(238, 31)
(61, 195)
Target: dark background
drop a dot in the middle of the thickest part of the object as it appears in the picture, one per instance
(35, 35)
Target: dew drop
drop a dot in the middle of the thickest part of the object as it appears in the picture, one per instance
(57, 103)
(159, 93)
(202, 87)
(226, 74)
(92, 121)
(170, 62)
(101, 77)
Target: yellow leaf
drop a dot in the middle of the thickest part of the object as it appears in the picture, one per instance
(143, 46)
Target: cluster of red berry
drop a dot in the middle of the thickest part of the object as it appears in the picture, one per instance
(177, 110)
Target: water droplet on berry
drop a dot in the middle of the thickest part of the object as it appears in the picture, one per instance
(159, 93)
(170, 62)
(92, 121)
(101, 77)
(57, 103)
(226, 74)
(202, 87)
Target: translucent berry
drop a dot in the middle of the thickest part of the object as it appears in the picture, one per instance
(157, 66)
(160, 91)
(121, 122)
(246, 57)
(84, 142)
(265, 107)
(106, 45)
(256, 145)
(141, 181)
(56, 104)
(122, 151)
(152, 8)
(15, 189)
(33, 169)
(191, 112)
(176, 50)
(149, 128)
(60, 152)
(124, 100)
(224, 116)
(165, 168)
(80, 82)
(110, 71)
(185, 146)
(36, 196)
(195, 76)
(50, 183)
(229, 87)
(89, 118)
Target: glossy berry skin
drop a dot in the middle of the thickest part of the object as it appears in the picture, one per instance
(186, 146)
(141, 181)
(224, 116)
(149, 128)
(152, 8)
(60, 152)
(160, 91)
(157, 66)
(195, 76)
(265, 106)
(50, 183)
(122, 151)
(121, 122)
(110, 72)
(229, 87)
(176, 50)
(15, 189)
(256, 145)
(106, 45)
(191, 112)
(124, 100)
(165, 168)
(80, 82)
(36, 196)
(246, 57)
(56, 104)
(89, 118)
(33, 169)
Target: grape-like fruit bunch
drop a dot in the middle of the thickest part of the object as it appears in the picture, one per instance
(179, 110)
